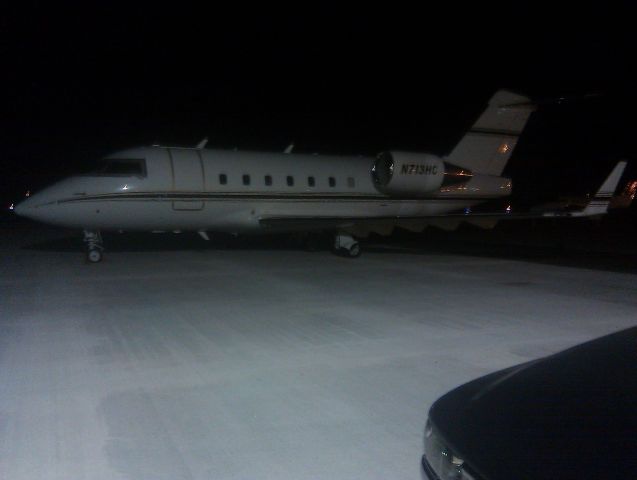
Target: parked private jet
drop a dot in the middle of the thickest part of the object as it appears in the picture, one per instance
(161, 188)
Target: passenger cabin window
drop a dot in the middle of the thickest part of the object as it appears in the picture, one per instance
(268, 180)
(120, 167)
(223, 178)
(332, 181)
(350, 182)
(246, 179)
(290, 181)
(310, 181)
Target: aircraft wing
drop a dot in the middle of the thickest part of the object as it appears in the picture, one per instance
(362, 227)
(446, 221)
(597, 206)
(384, 225)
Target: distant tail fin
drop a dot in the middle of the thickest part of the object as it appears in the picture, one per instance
(489, 143)
(599, 203)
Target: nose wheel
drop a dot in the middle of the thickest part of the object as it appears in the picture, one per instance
(94, 245)
(94, 255)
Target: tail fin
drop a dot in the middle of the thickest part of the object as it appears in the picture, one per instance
(599, 203)
(489, 143)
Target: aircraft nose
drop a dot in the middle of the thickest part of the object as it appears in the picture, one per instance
(19, 209)
(22, 209)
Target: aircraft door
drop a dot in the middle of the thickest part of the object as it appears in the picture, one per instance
(187, 168)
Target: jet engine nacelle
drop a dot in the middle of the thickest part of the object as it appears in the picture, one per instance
(407, 173)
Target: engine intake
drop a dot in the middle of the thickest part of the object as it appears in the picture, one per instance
(406, 173)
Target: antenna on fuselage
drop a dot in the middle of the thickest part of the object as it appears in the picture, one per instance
(289, 148)
(202, 144)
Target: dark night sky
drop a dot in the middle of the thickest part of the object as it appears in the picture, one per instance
(82, 81)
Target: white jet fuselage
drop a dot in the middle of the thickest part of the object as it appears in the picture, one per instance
(166, 188)
(231, 191)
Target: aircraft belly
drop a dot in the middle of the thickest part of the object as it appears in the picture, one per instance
(143, 215)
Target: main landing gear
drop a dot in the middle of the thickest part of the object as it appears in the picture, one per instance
(346, 246)
(94, 245)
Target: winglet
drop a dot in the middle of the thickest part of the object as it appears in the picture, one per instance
(202, 144)
(609, 186)
(599, 203)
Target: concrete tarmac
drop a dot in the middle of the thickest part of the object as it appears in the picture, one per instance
(271, 363)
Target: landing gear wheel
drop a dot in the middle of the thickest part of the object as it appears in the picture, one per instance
(354, 250)
(94, 255)
(94, 245)
(346, 246)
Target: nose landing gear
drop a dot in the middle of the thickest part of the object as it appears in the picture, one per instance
(94, 245)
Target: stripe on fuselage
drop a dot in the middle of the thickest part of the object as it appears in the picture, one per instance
(170, 196)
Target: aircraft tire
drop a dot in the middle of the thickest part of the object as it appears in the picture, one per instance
(354, 251)
(94, 255)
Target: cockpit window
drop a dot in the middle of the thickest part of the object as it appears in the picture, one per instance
(120, 167)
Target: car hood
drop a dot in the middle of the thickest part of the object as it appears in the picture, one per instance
(570, 415)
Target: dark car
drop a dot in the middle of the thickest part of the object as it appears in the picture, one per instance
(569, 415)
